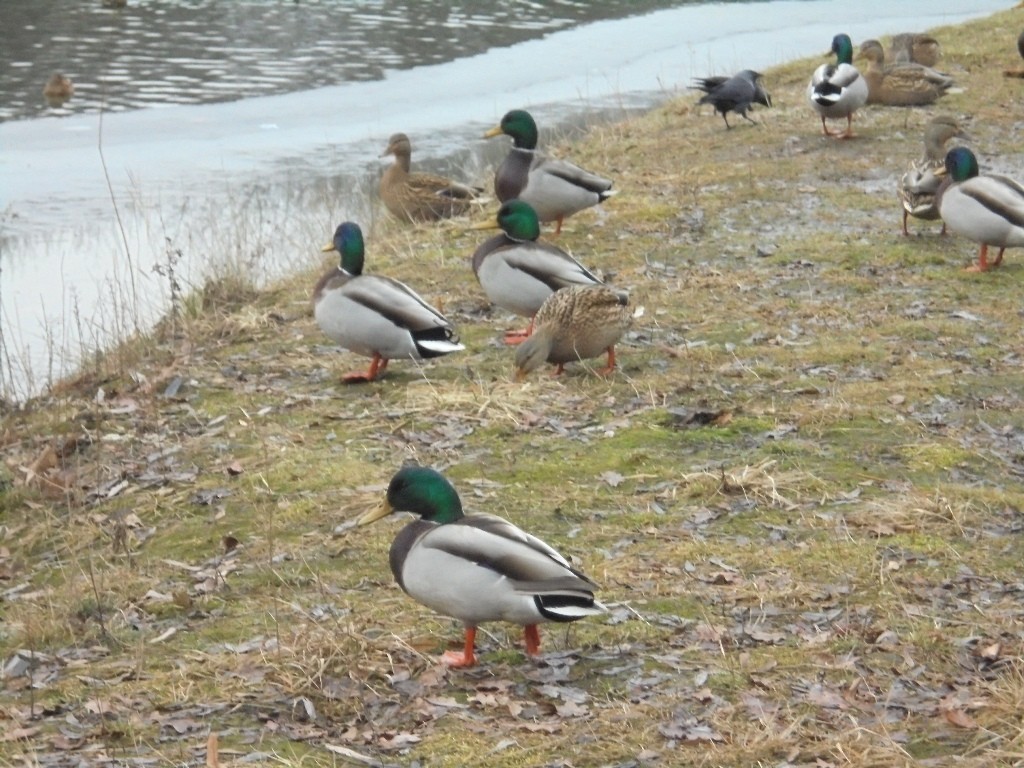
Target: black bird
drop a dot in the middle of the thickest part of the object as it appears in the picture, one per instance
(733, 94)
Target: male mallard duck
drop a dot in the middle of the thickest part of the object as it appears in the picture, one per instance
(734, 94)
(420, 196)
(376, 316)
(986, 208)
(917, 187)
(576, 323)
(838, 90)
(477, 568)
(58, 89)
(915, 47)
(555, 188)
(518, 273)
(903, 84)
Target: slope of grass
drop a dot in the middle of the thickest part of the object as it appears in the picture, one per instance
(800, 493)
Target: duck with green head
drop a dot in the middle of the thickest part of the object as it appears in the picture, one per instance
(838, 90)
(986, 208)
(477, 568)
(517, 271)
(555, 188)
(376, 316)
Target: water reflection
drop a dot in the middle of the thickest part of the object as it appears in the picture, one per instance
(154, 52)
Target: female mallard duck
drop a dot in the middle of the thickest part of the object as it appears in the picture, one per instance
(917, 187)
(838, 90)
(733, 94)
(903, 84)
(417, 197)
(518, 273)
(576, 323)
(376, 316)
(555, 188)
(477, 568)
(916, 47)
(985, 208)
(58, 89)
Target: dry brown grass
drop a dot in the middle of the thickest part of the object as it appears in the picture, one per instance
(800, 493)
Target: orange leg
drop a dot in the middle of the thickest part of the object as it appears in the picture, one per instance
(465, 659)
(611, 363)
(905, 214)
(999, 258)
(377, 366)
(824, 127)
(532, 637)
(518, 337)
(982, 265)
(559, 370)
(558, 227)
(849, 128)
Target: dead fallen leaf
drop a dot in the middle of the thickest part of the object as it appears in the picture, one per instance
(212, 754)
(959, 718)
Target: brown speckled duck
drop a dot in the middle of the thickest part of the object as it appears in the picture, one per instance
(917, 187)
(576, 323)
(903, 84)
(477, 568)
(58, 89)
(419, 197)
(914, 47)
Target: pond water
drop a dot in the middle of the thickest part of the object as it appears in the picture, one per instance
(205, 135)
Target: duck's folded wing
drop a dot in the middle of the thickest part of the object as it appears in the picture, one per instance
(999, 194)
(395, 301)
(551, 266)
(496, 544)
(843, 76)
(573, 174)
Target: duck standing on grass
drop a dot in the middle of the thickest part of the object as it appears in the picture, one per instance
(917, 187)
(477, 568)
(986, 208)
(903, 84)
(517, 272)
(418, 197)
(733, 94)
(555, 188)
(576, 323)
(376, 316)
(838, 90)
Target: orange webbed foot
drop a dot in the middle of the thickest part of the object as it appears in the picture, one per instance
(457, 659)
(517, 337)
(466, 658)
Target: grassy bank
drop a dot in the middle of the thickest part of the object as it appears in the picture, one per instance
(801, 494)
